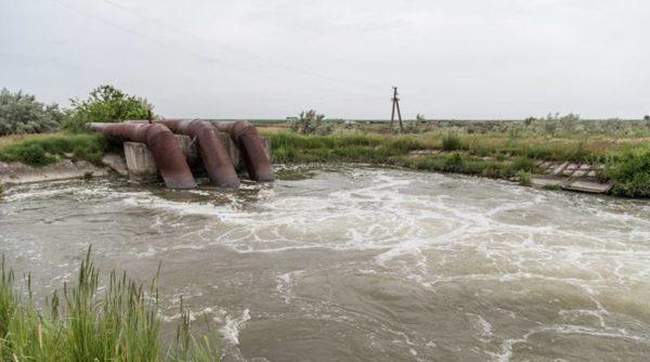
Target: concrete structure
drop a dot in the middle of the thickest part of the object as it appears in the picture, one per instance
(139, 162)
(572, 176)
(142, 168)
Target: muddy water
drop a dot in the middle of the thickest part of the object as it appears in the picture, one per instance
(372, 265)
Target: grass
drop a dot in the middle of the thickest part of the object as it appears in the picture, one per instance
(524, 178)
(491, 149)
(117, 322)
(495, 154)
(41, 150)
(630, 172)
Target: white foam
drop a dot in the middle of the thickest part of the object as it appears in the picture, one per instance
(234, 326)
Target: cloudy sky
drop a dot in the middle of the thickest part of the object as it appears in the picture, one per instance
(273, 58)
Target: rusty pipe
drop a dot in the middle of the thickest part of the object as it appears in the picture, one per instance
(215, 157)
(162, 143)
(244, 134)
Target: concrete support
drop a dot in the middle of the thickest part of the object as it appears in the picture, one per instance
(140, 162)
(142, 168)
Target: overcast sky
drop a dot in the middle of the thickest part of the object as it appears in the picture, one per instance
(267, 58)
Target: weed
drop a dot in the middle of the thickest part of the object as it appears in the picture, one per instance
(524, 178)
(451, 142)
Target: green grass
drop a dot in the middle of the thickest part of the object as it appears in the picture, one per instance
(524, 178)
(294, 148)
(118, 322)
(44, 150)
(451, 142)
(495, 155)
(630, 171)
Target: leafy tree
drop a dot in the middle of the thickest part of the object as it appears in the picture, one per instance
(22, 113)
(106, 104)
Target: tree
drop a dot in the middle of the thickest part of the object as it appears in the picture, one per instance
(106, 104)
(21, 113)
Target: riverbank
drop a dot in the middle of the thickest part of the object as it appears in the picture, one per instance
(622, 160)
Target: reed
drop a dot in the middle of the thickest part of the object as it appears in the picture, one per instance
(118, 322)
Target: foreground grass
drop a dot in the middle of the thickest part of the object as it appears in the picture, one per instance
(496, 155)
(120, 322)
(44, 149)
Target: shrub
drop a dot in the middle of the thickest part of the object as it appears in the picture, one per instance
(310, 122)
(451, 142)
(20, 113)
(106, 104)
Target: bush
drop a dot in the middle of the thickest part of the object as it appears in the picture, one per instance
(451, 142)
(20, 113)
(106, 104)
(310, 122)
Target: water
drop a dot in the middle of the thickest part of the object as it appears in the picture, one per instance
(365, 264)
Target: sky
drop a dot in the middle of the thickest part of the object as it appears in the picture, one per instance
(476, 59)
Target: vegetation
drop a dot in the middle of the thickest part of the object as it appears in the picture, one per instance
(451, 142)
(106, 104)
(118, 322)
(630, 171)
(310, 122)
(21, 113)
(46, 149)
(524, 178)
(498, 152)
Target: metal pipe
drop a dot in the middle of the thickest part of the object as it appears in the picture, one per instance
(244, 134)
(215, 157)
(162, 143)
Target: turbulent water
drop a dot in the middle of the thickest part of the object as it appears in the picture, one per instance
(362, 264)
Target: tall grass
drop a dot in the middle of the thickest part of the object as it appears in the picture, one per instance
(451, 142)
(120, 322)
(40, 151)
(630, 171)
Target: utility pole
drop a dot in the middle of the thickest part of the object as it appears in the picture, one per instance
(399, 114)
